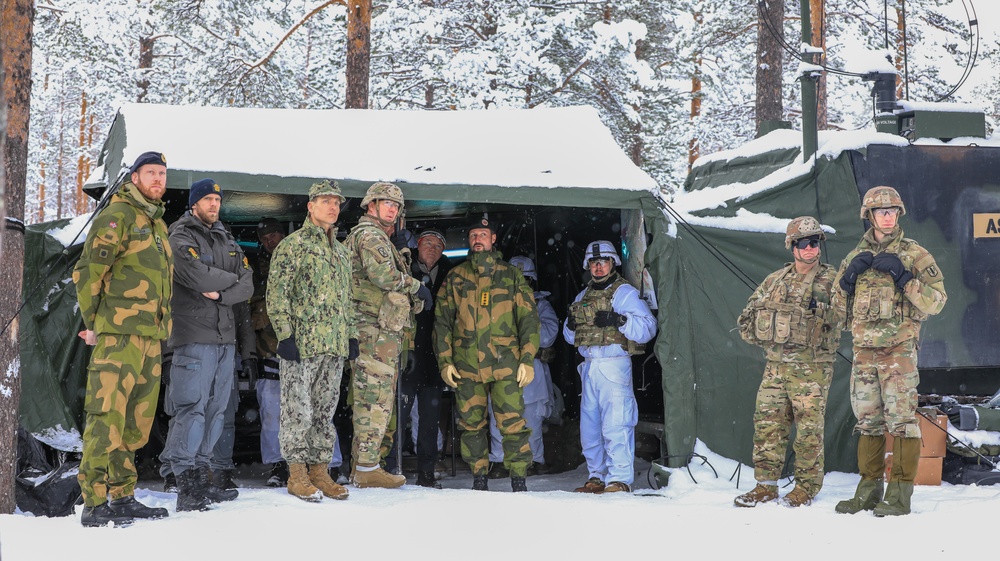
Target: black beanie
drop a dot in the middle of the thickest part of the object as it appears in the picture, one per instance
(147, 158)
(201, 188)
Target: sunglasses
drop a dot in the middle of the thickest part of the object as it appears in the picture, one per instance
(605, 261)
(883, 212)
(805, 242)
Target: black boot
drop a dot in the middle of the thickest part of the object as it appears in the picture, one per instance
(102, 515)
(426, 479)
(169, 483)
(208, 489)
(279, 475)
(128, 506)
(188, 497)
(224, 479)
(480, 483)
(518, 484)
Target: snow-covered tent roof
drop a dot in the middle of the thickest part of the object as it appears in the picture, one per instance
(504, 155)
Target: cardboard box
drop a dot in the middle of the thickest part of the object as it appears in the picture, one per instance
(933, 439)
(928, 470)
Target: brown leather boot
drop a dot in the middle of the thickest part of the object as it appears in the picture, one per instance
(759, 494)
(300, 486)
(320, 477)
(377, 477)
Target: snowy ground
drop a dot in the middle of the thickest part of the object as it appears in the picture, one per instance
(692, 515)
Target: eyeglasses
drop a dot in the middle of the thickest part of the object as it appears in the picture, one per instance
(391, 204)
(884, 212)
(806, 242)
(603, 261)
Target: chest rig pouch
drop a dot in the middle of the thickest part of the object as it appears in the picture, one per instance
(590, 335)
(782, 315)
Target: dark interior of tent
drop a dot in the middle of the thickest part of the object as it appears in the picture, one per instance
(553, 237)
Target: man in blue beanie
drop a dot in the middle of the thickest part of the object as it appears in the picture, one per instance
(211, 275)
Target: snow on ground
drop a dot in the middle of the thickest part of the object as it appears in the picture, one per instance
(692, 516)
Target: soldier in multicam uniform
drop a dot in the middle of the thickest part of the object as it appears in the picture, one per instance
(309, 303)
(887, 286)
(608, 322)
(790, 316)
(123, 285)
(486, 335)
(385, 298)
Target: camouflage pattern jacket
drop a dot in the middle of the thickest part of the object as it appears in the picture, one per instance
(308, 292)
(381, 285)
(778, 316)
(208, 260)
(123, 277)
(881, 315)
(485, 319)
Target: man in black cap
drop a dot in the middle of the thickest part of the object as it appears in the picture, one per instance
(123, 283)
(270, 233)
(211, 276)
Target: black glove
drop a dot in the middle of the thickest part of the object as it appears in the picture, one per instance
(352, 349)
(890, 263)
(403, 238)
(571, 323)
(288, 350)
(861, 263)
(424, 294)
(609, 319)
(812, 303)
(250, 367)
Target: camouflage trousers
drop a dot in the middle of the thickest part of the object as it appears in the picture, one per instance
(123, 385)
(791, 394)
(374, 390)
(310, 390)
(507, 400)
(884, 390)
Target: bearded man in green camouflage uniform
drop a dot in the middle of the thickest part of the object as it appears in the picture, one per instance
(790, 316)
(486, 335)
(385, 297)
(309, 304)
(123, 284)
(887, 286)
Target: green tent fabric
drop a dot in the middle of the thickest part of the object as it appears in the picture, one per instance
(705, 273)
(53, 358)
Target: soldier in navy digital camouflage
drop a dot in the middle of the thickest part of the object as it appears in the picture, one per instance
(486, 335)
(790, 316)
(887, 286)
(385, 297)
(123, 285)
(309, 304)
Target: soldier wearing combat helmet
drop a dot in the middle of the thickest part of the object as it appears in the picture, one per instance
(887, 286)
(790, 317)
(386, 297)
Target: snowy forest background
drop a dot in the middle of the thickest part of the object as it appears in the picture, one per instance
(672, 79)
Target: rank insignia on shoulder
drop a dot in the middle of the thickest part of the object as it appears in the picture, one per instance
(484, 299)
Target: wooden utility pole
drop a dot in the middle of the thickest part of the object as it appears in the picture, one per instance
(359, 52)
(16, 18)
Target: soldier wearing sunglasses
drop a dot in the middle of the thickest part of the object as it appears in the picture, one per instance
(790, 317)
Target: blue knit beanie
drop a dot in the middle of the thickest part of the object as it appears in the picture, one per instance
(147, 158)
(201, 188)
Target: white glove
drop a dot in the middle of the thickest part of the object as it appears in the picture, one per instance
(450, 375)
(525, 374)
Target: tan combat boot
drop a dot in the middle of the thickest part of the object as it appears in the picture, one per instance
(798, 497)
(377, 477)
(759, 494)
(300, 486)
(320, 478)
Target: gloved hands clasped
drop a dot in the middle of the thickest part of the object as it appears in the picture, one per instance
(861, 263)
(609, 319)
(890, 263)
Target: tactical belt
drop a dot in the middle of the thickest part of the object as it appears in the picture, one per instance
(270, 369)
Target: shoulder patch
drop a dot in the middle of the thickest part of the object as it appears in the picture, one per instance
(112, 224)
(191, 251)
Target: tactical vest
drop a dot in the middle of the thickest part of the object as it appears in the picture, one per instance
(876, 297)
(390, 309)
(585, 310)
(782, 315)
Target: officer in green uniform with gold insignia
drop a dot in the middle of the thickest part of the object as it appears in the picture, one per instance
(123, 284)
(486, 335)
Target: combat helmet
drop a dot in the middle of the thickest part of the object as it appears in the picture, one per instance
(526, 265)
(383, 191)
(600, 249)
(802, 227)
(881, 197)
